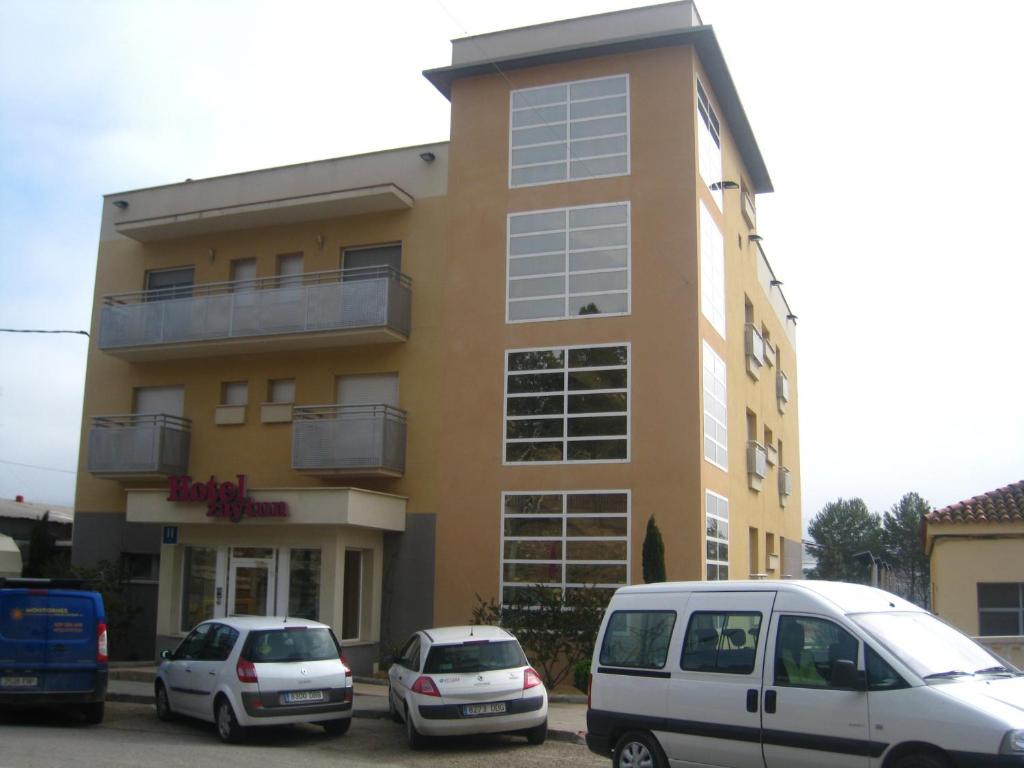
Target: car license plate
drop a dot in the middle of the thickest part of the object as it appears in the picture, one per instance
(19, 682)
(300, 697)
(484, 709)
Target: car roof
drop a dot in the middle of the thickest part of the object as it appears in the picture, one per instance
(263, 622)
(461, 634)
(848, 598)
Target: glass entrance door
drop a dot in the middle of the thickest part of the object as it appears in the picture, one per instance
(251, 581)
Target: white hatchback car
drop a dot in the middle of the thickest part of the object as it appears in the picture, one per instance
(461, 680)
(257, 670)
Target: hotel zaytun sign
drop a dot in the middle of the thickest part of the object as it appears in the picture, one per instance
(227, 499)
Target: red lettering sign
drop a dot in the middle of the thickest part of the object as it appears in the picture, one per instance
(226, 500)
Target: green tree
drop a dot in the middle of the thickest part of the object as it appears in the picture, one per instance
(653, 554)
(840, 530)
(40, 549)
(903, 550)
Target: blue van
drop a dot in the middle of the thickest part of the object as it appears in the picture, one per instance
(53, 645)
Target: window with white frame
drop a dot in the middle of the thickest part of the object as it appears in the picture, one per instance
(567, 404)
(568, 131)
(716, 419)
(564, 541)
(716, 527)
(568, 262)
(712, 271)
(1001, 609)
(709, 144)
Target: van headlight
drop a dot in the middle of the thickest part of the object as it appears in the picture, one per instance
(1013, 743)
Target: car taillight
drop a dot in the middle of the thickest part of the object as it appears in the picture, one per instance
(101, 643)
(344, 661)
(530, 678)
(246, 671)
(347, 695)
(590, 688)
(425, 686)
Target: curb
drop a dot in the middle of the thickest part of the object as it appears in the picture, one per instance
(555, 734)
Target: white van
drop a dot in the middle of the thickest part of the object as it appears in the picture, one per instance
(795, 674)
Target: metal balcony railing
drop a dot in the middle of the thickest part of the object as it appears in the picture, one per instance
(340, 299)
(757, 460)
(349, 439)
(139, 444)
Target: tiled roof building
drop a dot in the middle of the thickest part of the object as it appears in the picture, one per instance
(1003, 505)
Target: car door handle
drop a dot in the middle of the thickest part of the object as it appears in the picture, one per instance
(211, 673)
(770, 700)
(752, 700)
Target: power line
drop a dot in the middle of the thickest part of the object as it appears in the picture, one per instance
(34, 330)
(37, 466)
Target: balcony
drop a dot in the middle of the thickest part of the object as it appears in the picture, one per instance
(757, 464)
(754, 345)
(349, 440)
(138, 446)
(782, 390)
(367, 305)
(785, 485)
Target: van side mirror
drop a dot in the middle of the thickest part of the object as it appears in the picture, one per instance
(845, 675)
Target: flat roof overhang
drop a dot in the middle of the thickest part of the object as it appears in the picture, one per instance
(327, 205)
(306, 506)
(701, 38)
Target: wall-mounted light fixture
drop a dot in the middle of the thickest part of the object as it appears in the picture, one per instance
(212, 254)
(122, 204)
(715, 186)
(755, 238)
(791, 316)
(428, 157)
(776, 282)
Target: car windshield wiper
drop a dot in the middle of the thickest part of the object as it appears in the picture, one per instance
(950, 673)
(997, 670)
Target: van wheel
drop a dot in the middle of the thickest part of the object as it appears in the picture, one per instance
(163, 703)
(228, 729)
(93, 712)
(638, 750)
(415, 739)
(337, 727)
(921, 760)
(538, 733)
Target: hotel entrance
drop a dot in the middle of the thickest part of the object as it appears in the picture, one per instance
(251, 576)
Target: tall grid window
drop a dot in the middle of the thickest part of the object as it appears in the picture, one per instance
(564, 541)
(712, 271)
(709, 144)
(1001, 609)
(568, 262)
(716, 419)
(577, 130)
(567, 404)
(716, 526)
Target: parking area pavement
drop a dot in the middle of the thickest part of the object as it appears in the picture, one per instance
(131, 735)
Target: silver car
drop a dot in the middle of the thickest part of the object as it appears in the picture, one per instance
(250, 671)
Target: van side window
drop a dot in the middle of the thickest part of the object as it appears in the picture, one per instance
(806, 648)
(881, 675)
(638, 639)
(721, 642)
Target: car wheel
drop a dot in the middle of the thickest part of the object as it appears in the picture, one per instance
(93, 712)
(163, 703)
(228, 729)
(395, 715)
(337, 727)
(921, 760)
(538, 733)
(415, 739)
(638, 750)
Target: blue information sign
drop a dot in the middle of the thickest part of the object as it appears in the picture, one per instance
(170, 534)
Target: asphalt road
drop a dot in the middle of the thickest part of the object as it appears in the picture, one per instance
(131, 736)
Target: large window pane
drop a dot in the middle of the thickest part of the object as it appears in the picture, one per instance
(304, 584)
(716, 447)
(197, 599)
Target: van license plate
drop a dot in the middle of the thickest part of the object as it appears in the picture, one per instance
(299, 697)
(19, 682)
(484, 709)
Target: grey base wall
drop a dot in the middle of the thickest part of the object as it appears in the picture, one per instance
(408, 590)
(100, 536)
(792, 559)
(362, 658)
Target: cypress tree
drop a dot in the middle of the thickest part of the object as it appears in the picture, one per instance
(654, 554)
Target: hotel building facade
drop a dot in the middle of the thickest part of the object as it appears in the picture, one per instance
(367, 390)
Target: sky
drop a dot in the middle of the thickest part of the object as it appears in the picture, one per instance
(891, 131)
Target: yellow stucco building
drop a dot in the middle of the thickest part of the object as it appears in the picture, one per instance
(977, 568)
(368, 389)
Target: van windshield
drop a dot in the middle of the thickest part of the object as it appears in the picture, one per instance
(929, 646)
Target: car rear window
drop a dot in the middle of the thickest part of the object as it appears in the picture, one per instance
(475, 656)
(269, 646)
